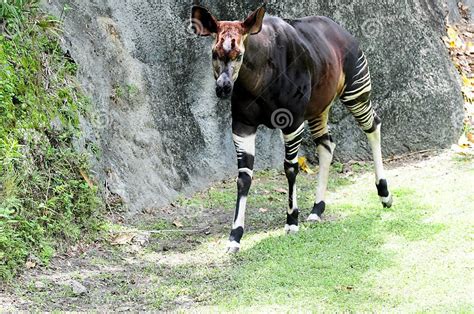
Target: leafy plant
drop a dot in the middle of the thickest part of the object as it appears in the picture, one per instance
(44, 199)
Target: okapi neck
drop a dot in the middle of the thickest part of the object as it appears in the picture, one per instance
(255, 71)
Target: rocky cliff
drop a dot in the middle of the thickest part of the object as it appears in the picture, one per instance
(160, 129)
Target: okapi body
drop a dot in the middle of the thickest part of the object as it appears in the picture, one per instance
(281, 73)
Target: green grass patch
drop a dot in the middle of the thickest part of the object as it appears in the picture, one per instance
(44, 198)
(324, 267)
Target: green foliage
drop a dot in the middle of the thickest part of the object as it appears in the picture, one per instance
(44, 198)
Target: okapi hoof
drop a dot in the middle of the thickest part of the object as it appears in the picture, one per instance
(314, 218)
(233, 247)
(291, 226)
(387, 201)
(291, 229)
(317, 212)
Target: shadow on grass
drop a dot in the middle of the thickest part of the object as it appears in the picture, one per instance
(325, 266)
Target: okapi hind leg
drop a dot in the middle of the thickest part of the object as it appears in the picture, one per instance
(292, 144)
(356, 98)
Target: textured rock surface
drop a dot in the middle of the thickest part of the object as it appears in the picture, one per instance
(163, 132)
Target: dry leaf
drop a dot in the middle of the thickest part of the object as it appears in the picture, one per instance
(30, 265)
(467, 81)
(123, 238)
(304, 165)
(86, 178)
(470, 137)
(177, 224)
(280, 190)
(263, 210)
(452, 33)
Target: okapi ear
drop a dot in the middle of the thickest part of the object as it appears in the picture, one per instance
(202, 21)
(253, 23)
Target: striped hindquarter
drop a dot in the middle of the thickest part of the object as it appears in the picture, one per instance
(356, 95)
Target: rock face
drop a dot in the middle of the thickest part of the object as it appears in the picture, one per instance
(162, 131)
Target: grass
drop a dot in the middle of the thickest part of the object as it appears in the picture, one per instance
(45, 201)
(413, 257)
(347, 264)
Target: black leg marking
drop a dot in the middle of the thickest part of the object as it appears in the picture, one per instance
(319, 209)
(291, 171)
(292, 219)
(377, 122)
(382, 188)
(324, 140)
(236, 234)
(385, 196)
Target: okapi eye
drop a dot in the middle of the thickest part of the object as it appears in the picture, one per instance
(239, 58)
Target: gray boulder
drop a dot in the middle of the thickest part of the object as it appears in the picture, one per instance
(162, 131)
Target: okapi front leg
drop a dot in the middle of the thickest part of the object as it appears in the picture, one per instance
(245, 148)
(292, 145)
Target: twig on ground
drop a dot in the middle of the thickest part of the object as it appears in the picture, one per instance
(410, 154)
(161, 231)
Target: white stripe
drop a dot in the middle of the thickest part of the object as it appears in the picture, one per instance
(362, 80)
(363, 63)
(365, 90)
(295, 134)
(361, 70)
(294, 199)
(247, 171)
(245, 144)
(239, 222)
(350, 92)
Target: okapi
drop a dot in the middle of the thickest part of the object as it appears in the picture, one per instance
(281, 73)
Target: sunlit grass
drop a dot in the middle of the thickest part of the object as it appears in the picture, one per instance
(367, 259)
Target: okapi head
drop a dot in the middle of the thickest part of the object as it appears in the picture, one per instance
(229, 44)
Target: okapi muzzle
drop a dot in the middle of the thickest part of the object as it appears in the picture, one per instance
(229, 44)
(224, 84)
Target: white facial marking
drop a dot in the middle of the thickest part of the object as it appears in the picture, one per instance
(227, 45)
